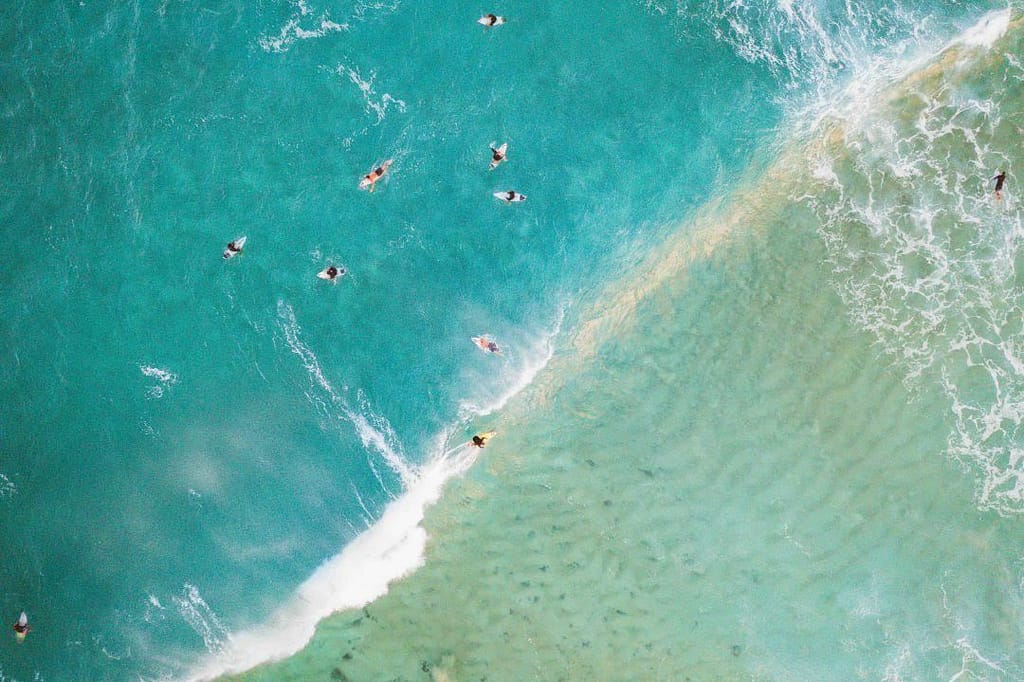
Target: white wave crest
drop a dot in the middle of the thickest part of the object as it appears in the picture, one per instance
(201, 618)
(926, 258)
(986, 32)
(523, 360)
(391, 548)
(820, 53)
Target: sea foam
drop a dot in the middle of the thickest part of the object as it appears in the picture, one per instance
(391, 548)
(925, 257)
(6, 487)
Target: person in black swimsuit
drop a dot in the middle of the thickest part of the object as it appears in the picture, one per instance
(1000, 179)
(232, 250)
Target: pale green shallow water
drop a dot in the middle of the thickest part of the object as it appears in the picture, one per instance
(805, 509)
(748, 478)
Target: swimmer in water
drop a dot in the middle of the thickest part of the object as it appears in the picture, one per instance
(1000, 179)
(498, 154)
(371, 178)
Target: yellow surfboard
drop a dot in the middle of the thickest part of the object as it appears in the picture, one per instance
(485, 436)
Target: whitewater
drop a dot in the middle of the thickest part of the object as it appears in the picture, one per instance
(759, 394)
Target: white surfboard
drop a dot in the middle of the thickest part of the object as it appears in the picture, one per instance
(23, 627)
(239, 244)
(516, 196)
(486, 344)
(368, 180)
(324, 274)
(490, 20)
(501, 151)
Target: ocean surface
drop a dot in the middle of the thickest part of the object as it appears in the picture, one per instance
(760, 397)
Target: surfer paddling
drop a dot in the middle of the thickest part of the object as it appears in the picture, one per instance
(370, 179)
(510, 196)
(234, 248)
(1000, 179)
(480, 440)
(498, 154)
(486, 344)
(489, 20)
(331, 273)
(22, 627)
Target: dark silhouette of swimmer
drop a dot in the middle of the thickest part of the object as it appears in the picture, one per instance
(498, 154)
(1000, 179)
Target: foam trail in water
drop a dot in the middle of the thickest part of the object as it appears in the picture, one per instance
(165, 377)
(373, 430)
(7, 487)
(378, 104)
(293, 31)
(198, 614)
(391, 548)
(523, 359)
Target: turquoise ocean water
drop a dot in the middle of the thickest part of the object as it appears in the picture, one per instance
(760, 324)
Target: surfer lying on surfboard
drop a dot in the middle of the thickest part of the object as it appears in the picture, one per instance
(234, 248)
(510, 196)
(480, 440)
(331, 273)
(498, 154)
(22, 627)
(489, 20)
(485, 343)
(371, 178)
